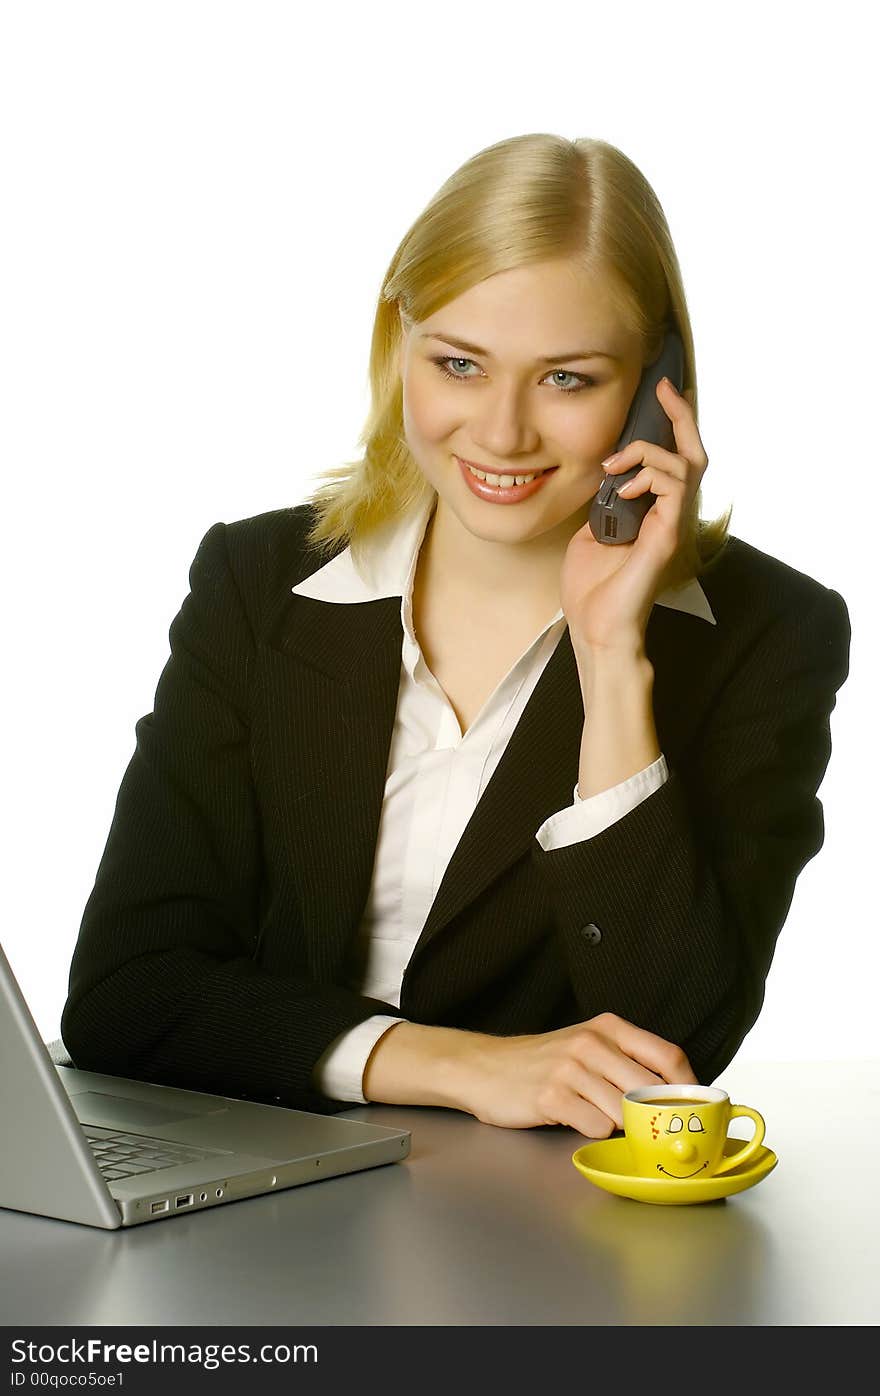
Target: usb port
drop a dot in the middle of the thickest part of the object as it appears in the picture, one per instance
(185, 1200)
(159, 1206)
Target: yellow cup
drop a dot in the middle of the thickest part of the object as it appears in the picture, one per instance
(680, 1131)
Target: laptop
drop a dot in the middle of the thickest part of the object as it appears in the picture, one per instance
(109, 1151)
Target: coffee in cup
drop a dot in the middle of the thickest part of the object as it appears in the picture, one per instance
(680, 1131)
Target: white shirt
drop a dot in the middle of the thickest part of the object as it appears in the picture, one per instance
(434, 779)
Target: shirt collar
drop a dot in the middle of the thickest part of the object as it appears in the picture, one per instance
(388, 569)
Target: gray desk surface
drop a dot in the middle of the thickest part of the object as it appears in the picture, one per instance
(493, 1226)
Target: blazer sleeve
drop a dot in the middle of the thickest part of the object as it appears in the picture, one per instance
(669, 917)
(164, 982)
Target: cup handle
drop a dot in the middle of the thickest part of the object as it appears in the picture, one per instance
(748, 1149)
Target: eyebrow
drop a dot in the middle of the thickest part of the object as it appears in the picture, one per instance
(550, 358)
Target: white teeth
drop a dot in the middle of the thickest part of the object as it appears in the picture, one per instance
(505, 482)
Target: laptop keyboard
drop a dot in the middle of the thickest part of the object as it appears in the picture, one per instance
(119, 1155)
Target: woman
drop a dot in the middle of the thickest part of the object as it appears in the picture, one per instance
(442, 801)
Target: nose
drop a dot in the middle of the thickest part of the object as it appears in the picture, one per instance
(684, 1150)
(504, 428)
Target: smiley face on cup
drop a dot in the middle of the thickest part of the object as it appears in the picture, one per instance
(680, 1131)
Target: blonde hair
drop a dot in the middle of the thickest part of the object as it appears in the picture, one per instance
(528, 199)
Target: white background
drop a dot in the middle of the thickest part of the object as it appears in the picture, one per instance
(199, 204)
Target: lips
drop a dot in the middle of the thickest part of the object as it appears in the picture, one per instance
(494, 470)
(499, 494)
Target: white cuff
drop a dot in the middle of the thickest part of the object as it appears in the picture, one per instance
(585, 818)
(339, 1071)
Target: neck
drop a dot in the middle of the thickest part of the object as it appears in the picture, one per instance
(490, 577)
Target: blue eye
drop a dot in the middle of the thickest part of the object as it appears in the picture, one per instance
(583, 381)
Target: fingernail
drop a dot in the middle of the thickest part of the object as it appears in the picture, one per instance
(609, 460)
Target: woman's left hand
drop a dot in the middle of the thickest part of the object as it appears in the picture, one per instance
(611, 613)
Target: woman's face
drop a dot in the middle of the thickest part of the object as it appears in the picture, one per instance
(528, 398)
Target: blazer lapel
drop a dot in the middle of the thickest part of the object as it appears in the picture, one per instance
(331, 687)
(519, 796)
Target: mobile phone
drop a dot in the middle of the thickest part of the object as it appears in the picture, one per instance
(616, 520)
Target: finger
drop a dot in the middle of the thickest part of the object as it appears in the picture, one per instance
(628, 1075)
(684, 1072)
(581, 1114)
(646, 453)
(593, 1088)
(619, 1074)
(658, 480)
(665, 1058)
(684, 424)
(602, 1056)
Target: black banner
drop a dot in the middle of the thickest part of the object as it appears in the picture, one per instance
(133, 1360)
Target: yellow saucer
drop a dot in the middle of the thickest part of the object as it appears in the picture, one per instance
(607, 1163)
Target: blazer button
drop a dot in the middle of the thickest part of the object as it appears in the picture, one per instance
(592, 933)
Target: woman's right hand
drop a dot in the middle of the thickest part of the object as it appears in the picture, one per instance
(572, 1076)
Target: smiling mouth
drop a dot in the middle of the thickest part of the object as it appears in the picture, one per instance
(505, 479)
(681, 1177)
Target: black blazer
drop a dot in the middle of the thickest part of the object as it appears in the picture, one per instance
(212, 948)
